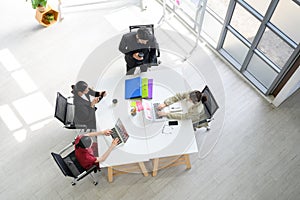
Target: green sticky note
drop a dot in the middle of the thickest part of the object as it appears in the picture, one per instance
(133, 104)
(144, 87)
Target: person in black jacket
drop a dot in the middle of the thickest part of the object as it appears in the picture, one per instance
(139, 49)
(84, 106)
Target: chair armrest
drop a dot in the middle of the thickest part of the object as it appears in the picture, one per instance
(76, 126)
(66, 148)
(87, 172)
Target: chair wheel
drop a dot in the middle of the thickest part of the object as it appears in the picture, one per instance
(95, 183)
(73, 183)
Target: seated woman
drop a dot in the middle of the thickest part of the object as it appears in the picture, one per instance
(84, 107)
(194, 100)
(84, 151)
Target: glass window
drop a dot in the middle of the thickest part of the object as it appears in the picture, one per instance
(219, 7)
(190, 7)
(235, 47)
(185, 9)
(286, 18)
(211, 27)
(275, 48)
(259, 5)
(244, 22)
(261, 71)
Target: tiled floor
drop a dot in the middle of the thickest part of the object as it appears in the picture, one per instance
(252, 151)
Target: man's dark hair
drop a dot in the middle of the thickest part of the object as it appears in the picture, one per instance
(84, 142)
(197, 96)
(143, 33)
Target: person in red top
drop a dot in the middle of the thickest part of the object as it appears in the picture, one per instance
(84, 150)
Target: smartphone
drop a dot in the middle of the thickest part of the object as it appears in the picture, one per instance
(102, 93)
(173, 123)
(98, 94)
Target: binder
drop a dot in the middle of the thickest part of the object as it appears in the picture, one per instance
(150, 88)
(133, 88)
(144, 88)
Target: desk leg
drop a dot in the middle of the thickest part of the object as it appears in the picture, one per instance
(155, 166)
(110, 174)
(187, 161)
(143, 168)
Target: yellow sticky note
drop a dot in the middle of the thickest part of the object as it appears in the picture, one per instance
(133, 103)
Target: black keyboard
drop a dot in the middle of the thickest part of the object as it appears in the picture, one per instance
(155, 107)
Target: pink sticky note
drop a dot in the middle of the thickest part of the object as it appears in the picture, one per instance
(139, 106)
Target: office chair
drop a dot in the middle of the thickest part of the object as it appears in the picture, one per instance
(64, 112)
(69, 165)
(150, 27)
(210, 107)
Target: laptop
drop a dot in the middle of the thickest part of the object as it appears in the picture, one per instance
(120, 132)
(151, 111)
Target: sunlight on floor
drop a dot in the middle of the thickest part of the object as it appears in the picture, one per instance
(9, 118)
(24, 81)
(8, 60)
(34, 107)
(20, 135)
(40, 125)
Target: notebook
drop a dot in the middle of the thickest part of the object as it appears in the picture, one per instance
(120, 132)
(175, 107)
(133, 88)
(151, 111)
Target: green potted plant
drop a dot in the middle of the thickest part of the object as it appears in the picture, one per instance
(44, 14)
(39, 4)
(49, 17)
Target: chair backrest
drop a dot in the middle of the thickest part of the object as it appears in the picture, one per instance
(61, 108)
(62, 165)
(150, 27)
(64, 111)
(69, 164)
(211, 105)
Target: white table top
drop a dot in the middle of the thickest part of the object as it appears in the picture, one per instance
(146, 140)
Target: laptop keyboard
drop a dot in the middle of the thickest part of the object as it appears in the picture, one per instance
(155, 107)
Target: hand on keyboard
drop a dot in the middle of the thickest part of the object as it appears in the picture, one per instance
(161, 106)
(160, 113)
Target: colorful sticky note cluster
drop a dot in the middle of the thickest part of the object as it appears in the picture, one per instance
(138, 88)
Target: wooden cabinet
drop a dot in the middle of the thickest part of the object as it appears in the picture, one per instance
(43, 15)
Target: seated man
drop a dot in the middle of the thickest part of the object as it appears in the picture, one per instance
(194, 99)
(84, 152)
(84, 107)
(139, 49)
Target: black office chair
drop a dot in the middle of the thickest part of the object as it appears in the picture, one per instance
(69, 166)
(64, 112)
(210, 107)
(150, 27)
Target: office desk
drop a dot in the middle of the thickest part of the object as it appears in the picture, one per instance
(146, 139)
